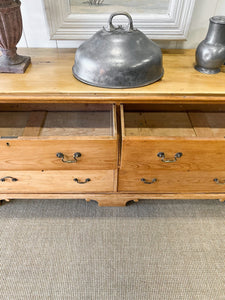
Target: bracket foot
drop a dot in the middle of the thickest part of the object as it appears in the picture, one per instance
(112, 200)
(2, 201)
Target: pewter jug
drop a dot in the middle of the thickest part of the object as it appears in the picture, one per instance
(116, 57)
(210, 54)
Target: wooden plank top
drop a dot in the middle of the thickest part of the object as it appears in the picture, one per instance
(50, 79)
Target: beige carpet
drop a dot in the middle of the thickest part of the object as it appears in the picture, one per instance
(68, 249)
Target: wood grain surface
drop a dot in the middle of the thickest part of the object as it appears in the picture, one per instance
(199, 136)
(57, 123)
(171, 182)
(33, 154)
(49, 79)
(57, 182)
(115, 199)
(46, 111)
(197, 154)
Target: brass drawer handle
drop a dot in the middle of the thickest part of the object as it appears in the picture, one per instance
(82, 182)
(148, 182)
(163, 159)
(8, 177)
(75, 156)
(217, 181)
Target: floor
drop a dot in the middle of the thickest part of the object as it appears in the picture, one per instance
(70, 249)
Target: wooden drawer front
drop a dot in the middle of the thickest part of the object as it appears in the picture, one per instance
(42, 154)
(196, 154)
(171, 182)
(173, 140)
(30, 139)
(56, 182)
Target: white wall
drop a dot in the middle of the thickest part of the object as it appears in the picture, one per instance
(35, 33)
(204, 9)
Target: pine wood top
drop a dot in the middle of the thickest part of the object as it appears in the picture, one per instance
(50, 79)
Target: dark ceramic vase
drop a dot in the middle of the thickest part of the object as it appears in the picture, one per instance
(210, 54)
(10, 34)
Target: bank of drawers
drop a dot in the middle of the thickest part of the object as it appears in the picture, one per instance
(171, 152)
(77, 151)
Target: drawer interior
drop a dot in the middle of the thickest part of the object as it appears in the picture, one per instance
(173, 123)
(71, 121)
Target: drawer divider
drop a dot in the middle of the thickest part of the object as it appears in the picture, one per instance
(34, 123)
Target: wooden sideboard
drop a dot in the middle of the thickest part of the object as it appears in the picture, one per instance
(60, 138)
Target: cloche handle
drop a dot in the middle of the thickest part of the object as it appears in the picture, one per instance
(122, 13)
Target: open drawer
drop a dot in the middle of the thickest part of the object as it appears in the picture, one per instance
(58, 137)
(179, 140)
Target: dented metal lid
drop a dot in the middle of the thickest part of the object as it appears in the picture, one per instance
(117, 57)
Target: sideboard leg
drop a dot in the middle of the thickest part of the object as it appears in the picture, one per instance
(222, 200)
(4, 200)
(136, 200)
